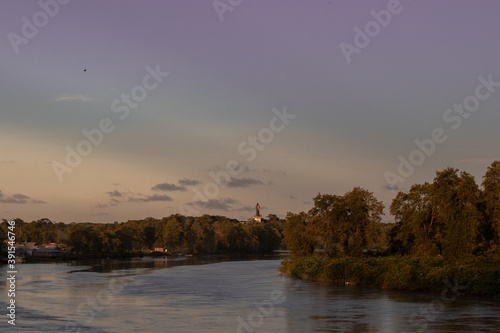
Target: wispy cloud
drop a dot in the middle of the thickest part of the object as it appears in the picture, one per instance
(19, 198)
(168, 187)
(188, 182)
(217, 204)
(243, 182)
(246, 209)
(115, 194)
(150, 198)
(73, 97)
(112, 202)
(117, 198)
(213, 204)
(391, 187)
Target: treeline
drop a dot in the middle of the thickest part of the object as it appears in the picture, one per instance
(203, 234)
(446, 232)
(451, 217)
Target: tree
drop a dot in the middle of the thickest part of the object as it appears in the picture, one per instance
(173, 232)
(491, 198)
(456, 198)
(328, 222)
(229, 236)
(439, 218)
(298, 236)
(417, 215)
(202, 234)
(362, 211)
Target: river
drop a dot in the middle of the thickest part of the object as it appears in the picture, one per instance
(220, 294)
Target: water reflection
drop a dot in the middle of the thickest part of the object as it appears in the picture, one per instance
(355, 309)
(223, 294)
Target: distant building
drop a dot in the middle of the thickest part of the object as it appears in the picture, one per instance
(48, 252)
(31, 249)
(27, 249)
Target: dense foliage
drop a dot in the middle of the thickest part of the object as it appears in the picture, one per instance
(336, 225)
(203, 234)
(447, 230)
(473, 275)
(450, 217)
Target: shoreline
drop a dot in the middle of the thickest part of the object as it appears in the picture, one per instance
(479, 276)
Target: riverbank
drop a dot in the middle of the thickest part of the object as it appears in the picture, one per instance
(479, 276)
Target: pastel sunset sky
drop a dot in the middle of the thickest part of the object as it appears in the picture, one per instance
(349, 116)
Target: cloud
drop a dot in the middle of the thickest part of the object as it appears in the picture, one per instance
(151, 198)
(246, 209)
(222, 204)
(390, 187)
(212, 204)
(243, 182)
(168, 187)
(188, 182)
(117, 198)
(19, 198)
(115, 194)
(112, 202)
(73, 97)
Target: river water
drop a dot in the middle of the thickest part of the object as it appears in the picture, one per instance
(220, 294)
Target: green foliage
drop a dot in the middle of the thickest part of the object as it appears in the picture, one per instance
(478, 275)
(203, 234)
(335, 225)
(299, 235)
(447, 234)
(451, 216)
(490, 206)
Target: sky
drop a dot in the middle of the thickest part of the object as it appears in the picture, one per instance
(118, 110)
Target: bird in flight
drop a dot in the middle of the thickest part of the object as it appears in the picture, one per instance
(85, 70)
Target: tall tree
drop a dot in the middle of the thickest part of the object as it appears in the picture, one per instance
(491, 198)
(299, 238)
(456, 198)
(418, 225)
(328, 222)
(174, 232)
(362, 211)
